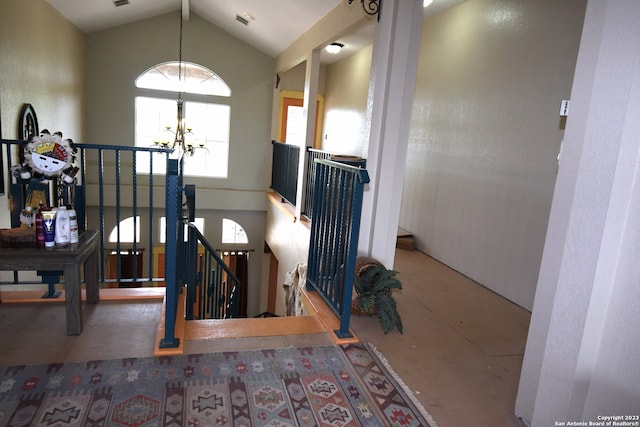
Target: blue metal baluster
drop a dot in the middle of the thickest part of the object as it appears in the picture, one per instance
(134, 181)
(102, 231)
(151, 218)
(118, 261)
(312, 262)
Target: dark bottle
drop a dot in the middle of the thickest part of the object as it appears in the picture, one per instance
(39, 228)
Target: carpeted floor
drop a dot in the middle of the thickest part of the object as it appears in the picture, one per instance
(340, 386)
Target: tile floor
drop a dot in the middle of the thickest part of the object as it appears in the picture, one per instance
(460, 353)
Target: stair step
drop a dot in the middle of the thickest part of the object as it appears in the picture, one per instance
(405, 240)
(251, 327)
(321, 320)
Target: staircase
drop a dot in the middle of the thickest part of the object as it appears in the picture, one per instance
(320, 319)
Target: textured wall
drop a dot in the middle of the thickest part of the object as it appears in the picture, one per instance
(42, 64)
(579, 362)
(485, 135)
(116, 57)
(346, 89)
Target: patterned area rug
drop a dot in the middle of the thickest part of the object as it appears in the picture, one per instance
(340, 386)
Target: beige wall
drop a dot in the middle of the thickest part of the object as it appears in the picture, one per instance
(485, 136)
(115, 57)
(345, 122)
(42, 64)
(288, 239)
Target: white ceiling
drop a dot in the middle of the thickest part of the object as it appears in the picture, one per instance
(273, 26)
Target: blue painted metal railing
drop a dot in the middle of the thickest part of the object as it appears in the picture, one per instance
(337, 207)
(106, 171)
(284, 170)
(185, 265)
(311, 156)
(174, 268)
(310, 178)
(213, 291)
(115, 156)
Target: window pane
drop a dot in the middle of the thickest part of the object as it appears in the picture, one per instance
(194, 79)
(199, 223)
(126, 228)
(210, 129)
(232, 232)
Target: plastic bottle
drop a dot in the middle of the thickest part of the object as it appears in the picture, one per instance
(73, 224)
(39, 228)
(49, 223)
(62, 226)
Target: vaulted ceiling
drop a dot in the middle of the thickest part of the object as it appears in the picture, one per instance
(271, 25)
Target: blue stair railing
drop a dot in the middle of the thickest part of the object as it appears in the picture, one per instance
(191, 264)
(335, 228)
(213, 291)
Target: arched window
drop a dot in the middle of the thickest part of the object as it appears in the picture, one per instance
(198, 222)
(194, 79)
(233, 233)
(208, 121)
(126, 227)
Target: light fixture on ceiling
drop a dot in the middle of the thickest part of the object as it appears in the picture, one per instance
(182, 132)
(334, 47)
(427, 3)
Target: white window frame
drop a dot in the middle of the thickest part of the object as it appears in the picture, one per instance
(208, 116)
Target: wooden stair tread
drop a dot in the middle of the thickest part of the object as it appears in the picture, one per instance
(251, 327)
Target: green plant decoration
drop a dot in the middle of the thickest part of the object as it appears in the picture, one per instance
(373, 287)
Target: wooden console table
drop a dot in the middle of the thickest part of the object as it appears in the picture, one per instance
(68, 259)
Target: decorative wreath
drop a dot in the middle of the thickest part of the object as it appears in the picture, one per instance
(48, 156)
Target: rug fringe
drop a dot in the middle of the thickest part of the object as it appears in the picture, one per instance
(402, 384)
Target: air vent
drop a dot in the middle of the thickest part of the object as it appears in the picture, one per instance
(119, 3)
(241, 19)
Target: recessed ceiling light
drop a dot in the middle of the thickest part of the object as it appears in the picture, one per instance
(427, 3)
(334, 47)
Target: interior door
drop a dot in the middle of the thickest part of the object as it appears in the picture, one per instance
(291, 126)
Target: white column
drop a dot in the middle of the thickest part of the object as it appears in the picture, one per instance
(583, 329)
(393, 75)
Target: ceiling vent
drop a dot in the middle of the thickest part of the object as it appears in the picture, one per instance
(120, 2)
(242, 20)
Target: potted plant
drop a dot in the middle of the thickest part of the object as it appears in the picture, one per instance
(373, 285)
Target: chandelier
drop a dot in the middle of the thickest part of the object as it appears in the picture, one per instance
(182, 138)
